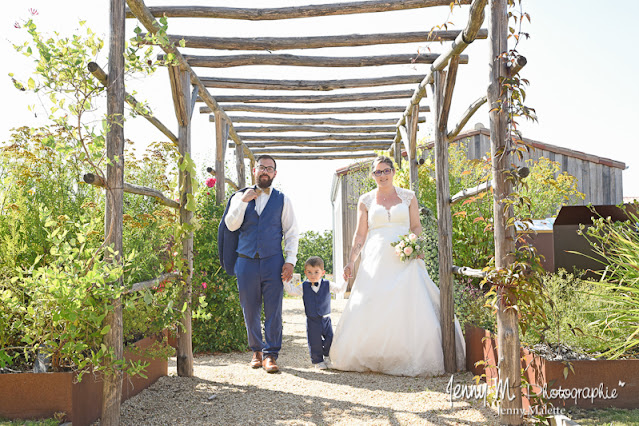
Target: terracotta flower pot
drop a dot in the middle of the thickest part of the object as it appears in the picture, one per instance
(42, 395)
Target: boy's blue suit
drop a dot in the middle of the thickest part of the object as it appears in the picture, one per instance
(319, 329)
(259, 273)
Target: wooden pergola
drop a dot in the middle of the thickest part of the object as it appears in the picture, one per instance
(336, 136)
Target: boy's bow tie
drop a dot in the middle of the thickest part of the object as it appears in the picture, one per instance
(259, 190)
(315, 284)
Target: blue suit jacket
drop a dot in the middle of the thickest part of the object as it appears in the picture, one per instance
(227, 241)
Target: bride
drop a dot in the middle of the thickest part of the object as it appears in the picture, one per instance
(391, 321)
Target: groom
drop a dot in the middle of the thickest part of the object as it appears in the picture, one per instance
(264, 216)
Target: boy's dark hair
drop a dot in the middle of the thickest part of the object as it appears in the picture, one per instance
(315, 261)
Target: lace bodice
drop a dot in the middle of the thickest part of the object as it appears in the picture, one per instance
(380, 216)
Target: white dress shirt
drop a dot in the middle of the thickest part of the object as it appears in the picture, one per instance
(235, 217)
(297, 290)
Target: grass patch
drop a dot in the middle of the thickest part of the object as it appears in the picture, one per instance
(609, 416)
(43, 422)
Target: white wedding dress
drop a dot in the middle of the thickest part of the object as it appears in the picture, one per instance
(391, 323)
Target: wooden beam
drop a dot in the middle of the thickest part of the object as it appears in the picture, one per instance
(324, 156)
(466, 37)
(468, 272)
(289, 43)
(412, 152)
(451, 77)
(517, 66)
(97, 180)
(404, 137)
(508, 344)
(316, 129)
(445, 231)
(114, 211)
(471, 192)
(344, 97)
(152, 283)
(211, 171)
(311, 61)
(142, 110)
(139, 9)
(335, 137)
(305, 150)
(221, 127)
(472, 109)
(353, 144)
(318, 85)
(184, 353)
(258, 14)
(316, 121)
(310, 111)
(181, 108)
(240, 167)
(196, 91)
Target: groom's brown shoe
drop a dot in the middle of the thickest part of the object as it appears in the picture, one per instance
(269, 365)
(256, 362)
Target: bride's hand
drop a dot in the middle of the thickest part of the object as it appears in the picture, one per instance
(348, 271)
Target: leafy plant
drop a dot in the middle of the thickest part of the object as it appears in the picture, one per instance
(313, 243)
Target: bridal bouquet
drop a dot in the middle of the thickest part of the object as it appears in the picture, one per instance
(408, 247)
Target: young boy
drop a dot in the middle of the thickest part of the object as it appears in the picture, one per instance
(316, 294)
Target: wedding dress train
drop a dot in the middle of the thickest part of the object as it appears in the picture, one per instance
(391, 322)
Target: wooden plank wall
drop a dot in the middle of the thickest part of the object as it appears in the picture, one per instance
(600, 183)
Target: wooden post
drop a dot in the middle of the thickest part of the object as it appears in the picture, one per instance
(114, 207)
(185, 344)
(241, 169)
(397, 154)
(445, 229)
(221, 132)
(508, 345)
(252, 167)
(412, 149)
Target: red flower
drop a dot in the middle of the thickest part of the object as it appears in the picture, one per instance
(210, 182)
(203, 285)
(208, 193)
(33, 11)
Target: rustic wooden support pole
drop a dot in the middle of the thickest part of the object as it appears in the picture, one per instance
(104, 79)
(252, 160)
(152, 283)
(472, 109)
(468, 272)
(240, 167)
(397, 153)
(212, 172)
(196, 91)
(139, 10)
(185, 343)
(177, 91)
(114, 211)
(310, 111)
(317, 121)
(314, 129)
(445, 229)
(508, 345)
(287, 43)
(96, 180)
(334, 137)
(220, 155)
(346, 97)
(451, 77)
(412, 150)
(353, 144)
(310, 61)
(470, 192)
(467, 36)
(405, 138)
(292, 12)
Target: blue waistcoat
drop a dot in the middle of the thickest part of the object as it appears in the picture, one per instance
(316, 304)
(261, 235)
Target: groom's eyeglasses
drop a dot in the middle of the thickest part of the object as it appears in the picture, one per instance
(268, 169)
(378, 173)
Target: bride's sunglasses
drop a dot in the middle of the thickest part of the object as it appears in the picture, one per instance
(378, 173)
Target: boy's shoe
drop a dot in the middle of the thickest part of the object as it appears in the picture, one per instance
(321, 366)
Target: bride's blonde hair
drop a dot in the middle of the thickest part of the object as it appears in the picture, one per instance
(383, 159)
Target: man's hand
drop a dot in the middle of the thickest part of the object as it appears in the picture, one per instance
(249, 195)
(287, 272)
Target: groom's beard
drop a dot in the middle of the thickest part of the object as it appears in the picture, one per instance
(264, 181)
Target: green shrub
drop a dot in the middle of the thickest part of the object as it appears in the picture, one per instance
(218, 323)
(313, 243)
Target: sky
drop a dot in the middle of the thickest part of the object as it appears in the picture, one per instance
(582, 68)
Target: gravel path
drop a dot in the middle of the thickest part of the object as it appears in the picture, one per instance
(225, 390)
